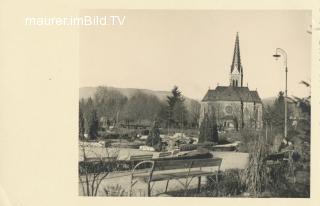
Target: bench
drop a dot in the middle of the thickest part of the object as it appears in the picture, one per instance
(165, 154)
(283, 156)
(98, 159)
(141, 157)
(160, 170)
(286, 155)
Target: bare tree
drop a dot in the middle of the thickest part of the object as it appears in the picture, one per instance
(93, 170)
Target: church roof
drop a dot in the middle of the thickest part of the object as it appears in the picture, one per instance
(229, 93)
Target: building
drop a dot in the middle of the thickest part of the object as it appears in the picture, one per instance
(234, 106)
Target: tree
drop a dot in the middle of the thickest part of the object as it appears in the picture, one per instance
(180, 114)
(278, 112)
(154, 139)
(194, 113)
(81, 124)
(109, 102)
(86, 107)
(176, 108)
(93, 125)
(162, 115)
(267, 115)
(303, 124)
(304, 103)
(208, 129)
(92, 173)
(142, 107)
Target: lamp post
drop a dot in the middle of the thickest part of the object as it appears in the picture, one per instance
(277, 55)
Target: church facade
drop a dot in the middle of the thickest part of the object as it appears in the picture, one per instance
(234, 106)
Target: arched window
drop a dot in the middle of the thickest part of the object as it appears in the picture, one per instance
(236, 83)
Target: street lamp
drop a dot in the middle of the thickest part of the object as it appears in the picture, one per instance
(277, 55)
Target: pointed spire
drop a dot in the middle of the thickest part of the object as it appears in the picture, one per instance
(236, 61)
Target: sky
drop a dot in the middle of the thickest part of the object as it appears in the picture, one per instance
(193, 49)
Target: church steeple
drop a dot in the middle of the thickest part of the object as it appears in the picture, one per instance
(236, 73)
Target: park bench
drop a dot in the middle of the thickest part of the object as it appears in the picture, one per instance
(176, 169)
(97, 159)
(286, 155)
(281, 157)
(165, 154)
(141, 157)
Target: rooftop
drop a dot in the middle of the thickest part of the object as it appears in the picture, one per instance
(229, 93)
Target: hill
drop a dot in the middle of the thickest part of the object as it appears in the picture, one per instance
(86, 92)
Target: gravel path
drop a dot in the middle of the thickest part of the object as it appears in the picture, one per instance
(120, 180)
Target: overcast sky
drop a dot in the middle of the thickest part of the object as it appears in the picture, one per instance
(193, 49)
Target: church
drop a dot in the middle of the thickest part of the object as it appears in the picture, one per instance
(234, 106)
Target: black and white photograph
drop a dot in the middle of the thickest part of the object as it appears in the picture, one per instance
(194, 103)
(159, 103)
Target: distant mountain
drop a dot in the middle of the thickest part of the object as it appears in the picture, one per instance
(86, 92)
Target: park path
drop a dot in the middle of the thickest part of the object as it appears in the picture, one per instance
(231, 160)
